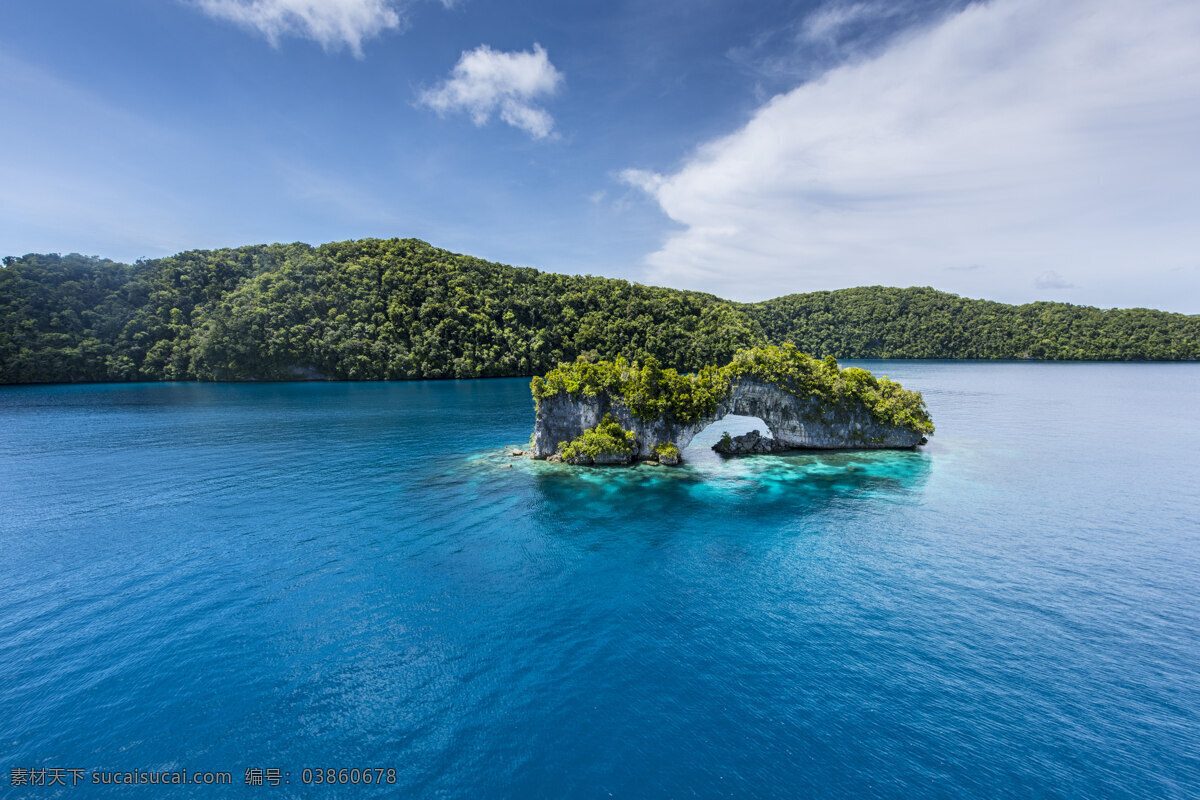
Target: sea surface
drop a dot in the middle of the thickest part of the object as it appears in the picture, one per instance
(355, 576)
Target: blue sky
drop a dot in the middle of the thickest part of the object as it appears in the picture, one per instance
(1014, 150)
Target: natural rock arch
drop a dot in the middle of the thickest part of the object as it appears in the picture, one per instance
(795, 421)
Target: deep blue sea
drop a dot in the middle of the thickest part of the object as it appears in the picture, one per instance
(346, 575)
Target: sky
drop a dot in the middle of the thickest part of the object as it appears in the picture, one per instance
(1014, 150)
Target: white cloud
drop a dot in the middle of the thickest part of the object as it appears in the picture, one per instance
(1052, 280)
(827, 22)
(1031, 138)
(485, 81)
(332, 23)
(649, 182)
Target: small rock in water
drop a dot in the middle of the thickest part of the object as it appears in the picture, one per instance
(752, 442)
(518, 452)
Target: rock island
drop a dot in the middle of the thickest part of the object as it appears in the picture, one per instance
(619, 412)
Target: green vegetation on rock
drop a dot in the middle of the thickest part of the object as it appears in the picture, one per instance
(400, 309)
(667, 451)
(607, 442)
(648, 390)
(805, 376)
(651, 392)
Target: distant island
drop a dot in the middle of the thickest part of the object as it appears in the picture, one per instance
(619, 412)
(397, 309)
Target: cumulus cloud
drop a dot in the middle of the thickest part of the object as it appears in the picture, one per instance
(487, 81)
(332, 23)
(1019, 134)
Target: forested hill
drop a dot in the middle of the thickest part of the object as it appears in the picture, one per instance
(399, 308)
(883, 322)
(359, 310)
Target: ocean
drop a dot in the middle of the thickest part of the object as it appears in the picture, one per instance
(272, 581)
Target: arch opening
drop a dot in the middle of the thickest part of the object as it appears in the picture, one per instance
(699, 449)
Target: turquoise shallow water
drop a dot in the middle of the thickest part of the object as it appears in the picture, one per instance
(224, 577)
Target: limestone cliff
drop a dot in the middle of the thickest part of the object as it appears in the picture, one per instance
(807, 403)
(795, 422)
(564, 417)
